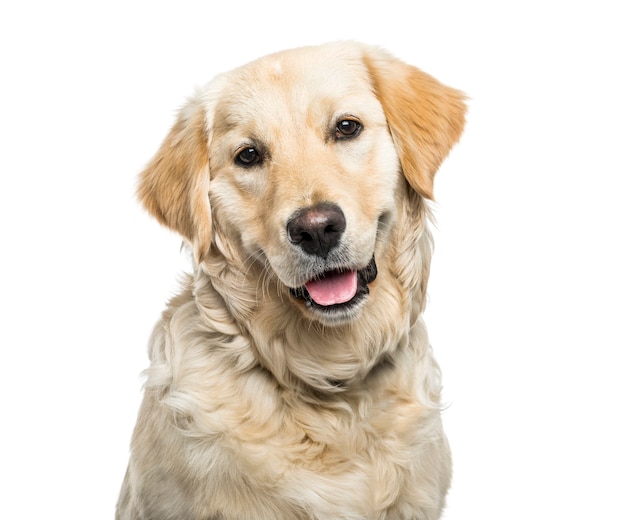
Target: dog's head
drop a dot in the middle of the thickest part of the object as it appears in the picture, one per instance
(298, 167)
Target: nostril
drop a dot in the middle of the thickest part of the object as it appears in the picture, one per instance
(297, 233)
(305, 237)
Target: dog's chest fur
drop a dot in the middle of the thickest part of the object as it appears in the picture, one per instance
(329, 462)
(285, 453)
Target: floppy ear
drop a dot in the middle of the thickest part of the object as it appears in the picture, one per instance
(174, 187)
(425, 117)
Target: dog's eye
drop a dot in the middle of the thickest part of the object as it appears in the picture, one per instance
(248, 157)
(347, 128)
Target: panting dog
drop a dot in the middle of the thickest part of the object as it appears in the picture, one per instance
(292, 377)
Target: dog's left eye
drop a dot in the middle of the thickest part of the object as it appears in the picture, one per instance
(347, 128)
(248, 157)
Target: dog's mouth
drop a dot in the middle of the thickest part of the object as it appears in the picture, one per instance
(337, 289)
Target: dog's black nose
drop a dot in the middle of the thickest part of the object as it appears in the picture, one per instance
(317, 229)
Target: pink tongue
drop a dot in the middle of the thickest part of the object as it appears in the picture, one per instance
(333, 289)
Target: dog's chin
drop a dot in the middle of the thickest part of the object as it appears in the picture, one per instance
(336, 296)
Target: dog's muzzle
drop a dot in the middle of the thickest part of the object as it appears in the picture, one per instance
(337, 289)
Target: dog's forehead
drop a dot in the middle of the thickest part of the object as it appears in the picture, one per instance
(293, 86)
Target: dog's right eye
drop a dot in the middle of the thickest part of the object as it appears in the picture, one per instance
(248, 157)
(347, 129)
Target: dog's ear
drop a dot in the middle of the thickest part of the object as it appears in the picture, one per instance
(174, 187)
(425, 117)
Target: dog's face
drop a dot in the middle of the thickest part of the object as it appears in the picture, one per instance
(304, 168)
(299, 162)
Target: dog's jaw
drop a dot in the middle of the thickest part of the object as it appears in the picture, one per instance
(337, 309)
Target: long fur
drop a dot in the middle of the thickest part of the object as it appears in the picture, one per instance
(254, 407)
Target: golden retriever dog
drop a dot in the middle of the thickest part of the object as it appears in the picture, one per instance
(292, 377)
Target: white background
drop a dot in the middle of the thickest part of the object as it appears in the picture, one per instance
(527, 311)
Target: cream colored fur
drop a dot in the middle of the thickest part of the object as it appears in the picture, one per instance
(256, 405)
